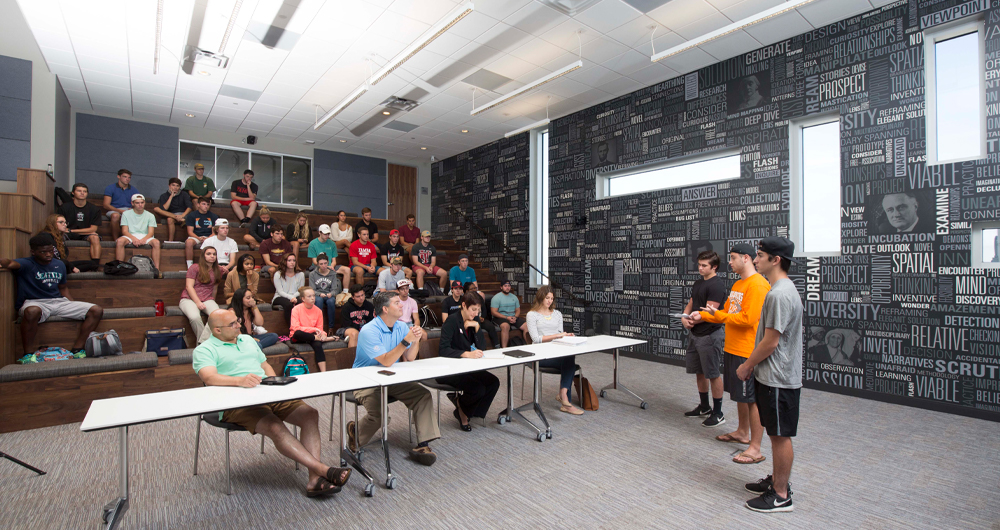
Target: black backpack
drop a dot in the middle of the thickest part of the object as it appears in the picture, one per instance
(433, 289)
(428, 319)
(119, 268)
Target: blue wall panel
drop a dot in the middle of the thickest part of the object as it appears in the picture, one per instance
(15, 116)
(348, 182)
(105, 145)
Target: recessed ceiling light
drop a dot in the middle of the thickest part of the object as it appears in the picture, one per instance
(343, 141)
(465, 130)
(189, 115)
(386, 112)
(294, 173)
(204, 72)
(310, 142)
(423, 148)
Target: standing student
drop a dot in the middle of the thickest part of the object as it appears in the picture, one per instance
(363, 256)
(391, 250)
(243, 194)
(307, 326)
(274, 249)
(137, 228)
(462, 272)
(287, 281)
(342, 233)
(461, 337)
(198, 185)
(506, 311)
(199, 228)
(545, 324)
(411, 313)
(83, 219)
(409, 233)
(198, 296)
(224, 245)
(174, 205)
(775, 366)
(354, 314)
(366, 222)
(740, 315)
(118, 199)
(423, 257)
(260, 229)
(298, 232)
(324, 245)
(242, 276)
(705, 340)
(326, 284)
(250, 319)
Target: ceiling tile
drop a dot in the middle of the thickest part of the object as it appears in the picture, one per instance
(680, 13)
(593, 75)
(823, 13)
(687, 61)
(473, 25)
(398, 27)
(538, 52)
(602, 49)
(616, 86)
(627, 62)
(703, 26)
(608, 14)
(569, 34)
(731, 45)
(503, 37)
(426, 11)
(510, 66)
(779, 28)
(535, 18)
(739, 10)
(651, 74)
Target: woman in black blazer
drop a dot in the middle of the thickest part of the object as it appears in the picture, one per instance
(461, 336)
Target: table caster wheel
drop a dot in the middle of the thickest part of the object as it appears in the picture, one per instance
(643, 405)
(548, 435)
(369, 490)
(541, 437)
(604, 393)
(501, 420)
(391, 483)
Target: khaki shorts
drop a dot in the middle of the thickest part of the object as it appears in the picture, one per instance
(58, 307)
(249, 416)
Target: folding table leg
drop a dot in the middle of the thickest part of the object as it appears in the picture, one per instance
(390, 481)
(115, 510)
(615, 385)
(346, 456)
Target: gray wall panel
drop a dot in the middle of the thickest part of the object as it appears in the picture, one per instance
(15, 116)
(125, 131)
(349, 182)
(15, 78)
(15, 119)
(105, 145)
(13, 154)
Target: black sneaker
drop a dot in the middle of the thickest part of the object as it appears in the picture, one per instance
(770, 502)
(697, 412)
(761, 485)
(714, 420)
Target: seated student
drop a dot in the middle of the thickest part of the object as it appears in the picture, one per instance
(274, 249)
(485, 323)
(388, 278)
(198, 185)
(83, 219)
(307, 325)
(298, 233)
(423, 257)
(545, 323)
(55, 227)
(174, 205)
(324, 245)
(198, 296)
(391, 250)
(199, 227)
(366, 222)
(342, 233)
(138, 227)
(354, 314)
(409, 233)
(243, 193)
(231, 359)
(224, 246)
(462, 272)
(42, 293)
(326, 284)
(506, 311)
(260, 229)
(250, 319)
(363, 256)
(118, 199)
(452, 303)
(287, 280)
(411, 313)
(384, 341)
(462, 337)
(243, 276)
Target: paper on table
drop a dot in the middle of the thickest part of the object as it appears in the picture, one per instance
(492, 354)
(571, 340)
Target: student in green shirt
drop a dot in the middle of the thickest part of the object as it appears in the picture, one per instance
(138, 227)
(198, 185)
(505, 309)
(231, 359)
(324, 245)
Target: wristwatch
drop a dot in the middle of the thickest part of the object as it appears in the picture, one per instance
(405, 343)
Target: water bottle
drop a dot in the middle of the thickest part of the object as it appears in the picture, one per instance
(160, 308)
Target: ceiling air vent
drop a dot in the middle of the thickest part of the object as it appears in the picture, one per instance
(405, 105)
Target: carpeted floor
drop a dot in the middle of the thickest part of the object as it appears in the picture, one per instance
(859, 464)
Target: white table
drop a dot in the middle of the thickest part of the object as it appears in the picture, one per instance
(124, 412)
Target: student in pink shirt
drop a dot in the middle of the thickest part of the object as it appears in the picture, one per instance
(307, 325)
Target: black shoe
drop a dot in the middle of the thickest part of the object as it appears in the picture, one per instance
(770, 502)
(465, 427)
(714, 420)
(697, 412)
(761, 485)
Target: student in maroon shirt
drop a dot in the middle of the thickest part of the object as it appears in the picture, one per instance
(275, 249)
(409, 233)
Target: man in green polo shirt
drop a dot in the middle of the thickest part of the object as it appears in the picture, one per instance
(231, 359)
(198, 185)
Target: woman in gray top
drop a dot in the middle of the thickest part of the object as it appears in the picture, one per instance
(287, 280)
(545, 324)
(326, 283)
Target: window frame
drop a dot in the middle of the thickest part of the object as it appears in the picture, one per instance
(931, 36)
(538, 253)
(976, 261)
(796, 188)
(604, 179)
(251, 152)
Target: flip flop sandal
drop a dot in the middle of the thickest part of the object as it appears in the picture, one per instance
(753, 460)
(728, 438)
(569, 409)
(323, 489)
(333, 475)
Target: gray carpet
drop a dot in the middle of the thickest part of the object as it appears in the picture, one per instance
(859, 464)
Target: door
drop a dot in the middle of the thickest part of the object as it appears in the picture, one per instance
(402, 193)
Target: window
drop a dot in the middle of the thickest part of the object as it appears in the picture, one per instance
(986, 245)
(814, 146)
(954, 69)
(539, 207)
(689, 171)
(280, 179)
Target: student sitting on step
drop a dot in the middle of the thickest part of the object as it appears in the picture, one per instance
(199, 292)
(242, 276)
(42, 293)
(174, 205)
(138, 227)
(199, 227)
(260, 229)
(83, 219)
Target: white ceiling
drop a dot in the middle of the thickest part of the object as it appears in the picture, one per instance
(102, 51)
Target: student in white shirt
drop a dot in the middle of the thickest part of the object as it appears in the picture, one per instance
(225, 246)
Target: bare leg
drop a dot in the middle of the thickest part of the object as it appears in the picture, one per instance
(716, 387)
(359, 275)
(742, 432)
(420, 278)
(29, 327)
(171, 228)
(116, 227)
(95, 246)
(251, 210)
(443, 275)
(289, 446)
(189, 249)
(238, 211)
(345, 273)
(120, 248)
(702, 383)
(251, 242)
(756, 431)
(782, 456)
(504, 334)
(322, 366)
(352, 337)
(155, 243)
(89, 325)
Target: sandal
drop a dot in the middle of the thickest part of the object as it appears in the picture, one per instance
(568, 408)
(334, 473)
(323, 489)
(752, 460)
(728, 437)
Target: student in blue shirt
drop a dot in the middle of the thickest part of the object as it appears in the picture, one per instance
(382, 342)
(462, 272)
(117, 199)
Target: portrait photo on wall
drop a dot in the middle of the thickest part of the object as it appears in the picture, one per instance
(748, 92)
(906, 212)
(696, 247)
(834, 346)
(604, 153)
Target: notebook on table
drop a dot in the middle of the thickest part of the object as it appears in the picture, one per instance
(518, 353)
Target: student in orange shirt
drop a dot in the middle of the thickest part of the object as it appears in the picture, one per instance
(307, 325)
(741, 315)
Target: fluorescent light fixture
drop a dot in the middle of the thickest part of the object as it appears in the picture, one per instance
(229, 26)
(351, 98)
(428, 37)
(527, 88)
(159, 30)
(777, 10)
(527, 128)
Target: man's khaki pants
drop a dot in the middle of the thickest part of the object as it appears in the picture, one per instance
(416, 398)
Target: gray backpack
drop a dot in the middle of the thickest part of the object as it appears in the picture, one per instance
(143, 263)
(103, 344)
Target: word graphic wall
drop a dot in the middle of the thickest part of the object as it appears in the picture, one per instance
(902, 315)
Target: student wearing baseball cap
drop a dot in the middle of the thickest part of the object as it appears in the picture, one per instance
(411, 313)
(452, 303)
(423, 257)
(740, 314)
(225, 246)
(462, 272)
(198, 185)
(324, 244)
(505, 309)
(138, 227)
(392, 249)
